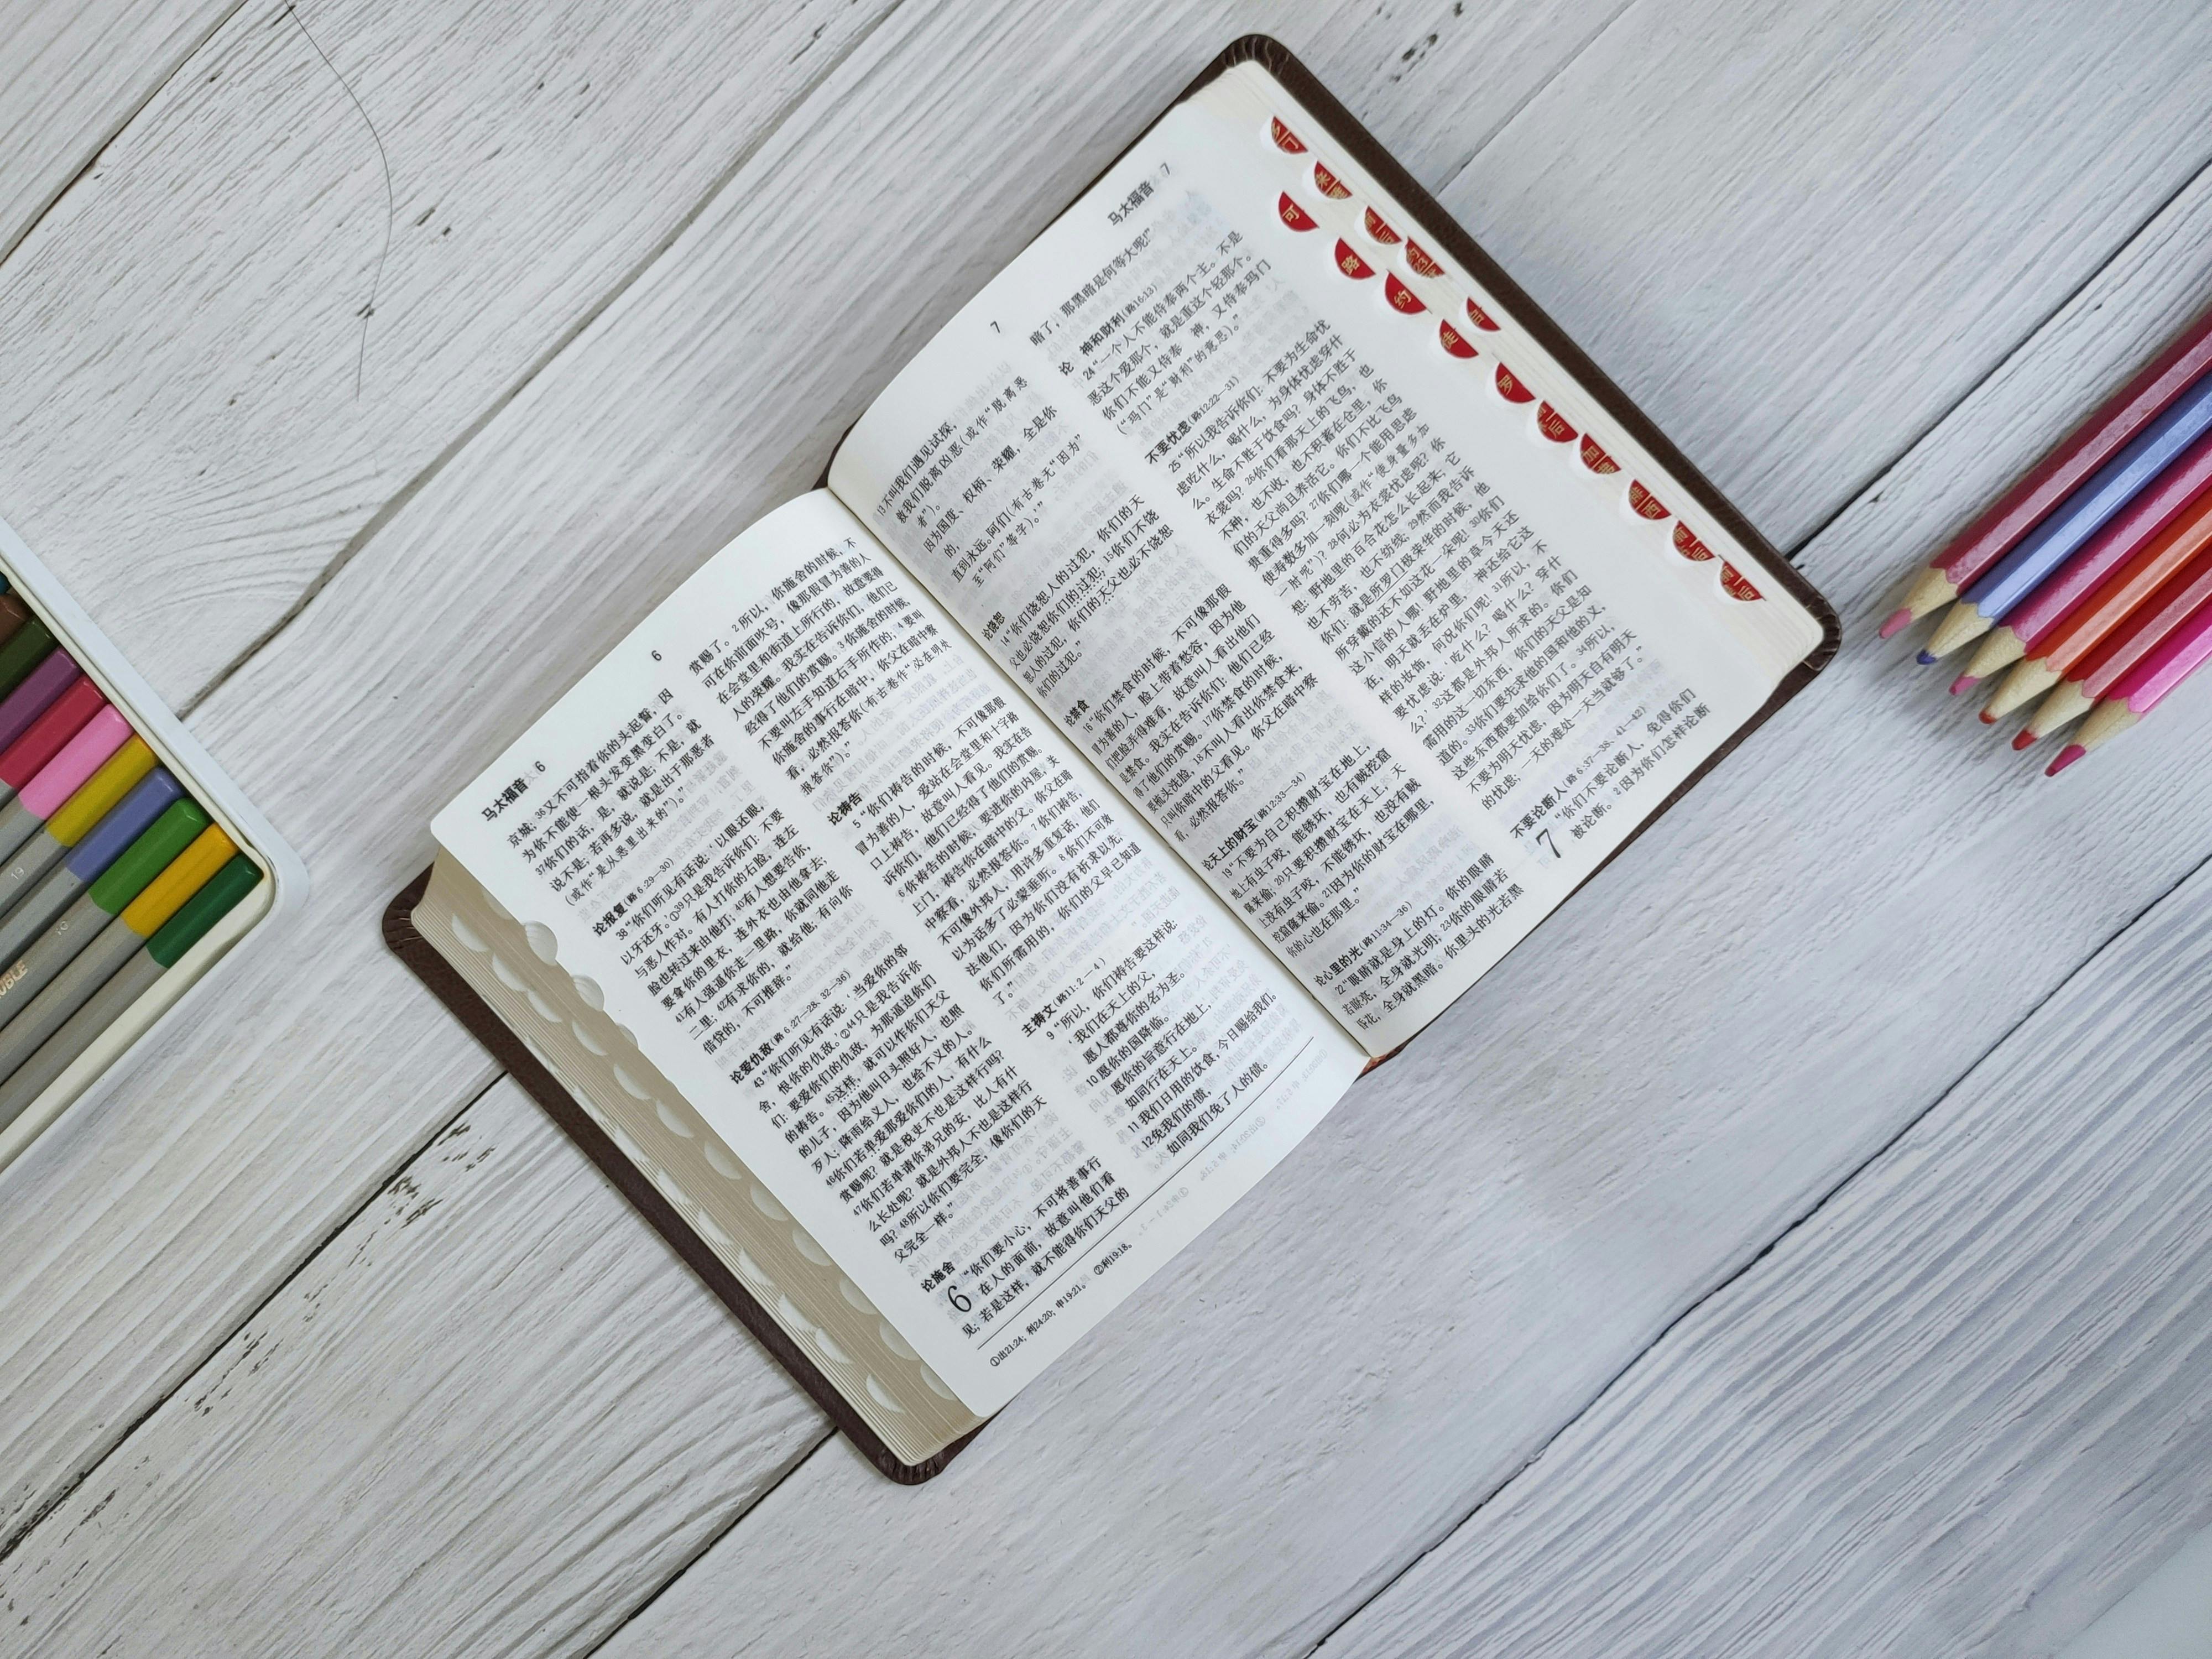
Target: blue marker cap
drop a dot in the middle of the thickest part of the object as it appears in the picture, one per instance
(125, 821)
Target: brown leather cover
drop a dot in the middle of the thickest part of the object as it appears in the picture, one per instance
(473, 1013)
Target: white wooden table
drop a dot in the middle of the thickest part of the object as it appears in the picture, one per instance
(366, 368)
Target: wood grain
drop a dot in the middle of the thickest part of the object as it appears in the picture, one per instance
(325, 251)
(1472, 1246)
(72, 74)
(333, 1481)
(1798, 230)
(1492, 1228)
(134, 1240)
(1962, 1409)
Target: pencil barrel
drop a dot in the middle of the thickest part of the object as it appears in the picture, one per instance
(51, 952)
(43, 1015)
(18, 823)
(40, 908)
(33, 863)
(77, 1033)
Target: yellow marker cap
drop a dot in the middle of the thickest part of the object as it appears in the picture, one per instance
(117, 776)
(185, 875)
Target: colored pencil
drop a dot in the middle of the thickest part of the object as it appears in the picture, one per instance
(61, 777)
(2179, 656)
(2184, 545)
(107, 840)
(111, 1000)
(2127, 646)
(13, 613)
(113, 945)
(76, 928)
(2074, 520)
(2169, 498)
(46, 735)
(35, 694)
(25, 649)
(2095, 441)
(75, 817)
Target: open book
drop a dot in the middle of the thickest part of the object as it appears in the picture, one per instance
(1239, 626)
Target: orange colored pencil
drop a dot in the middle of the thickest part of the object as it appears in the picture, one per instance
(2127, 590)
(2188, 591)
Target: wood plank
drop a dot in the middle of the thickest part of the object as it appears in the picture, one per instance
(1962, 1409)
(72, 73)
(1801, 232)
(135, 1239)
(1471, 1248)
(200, 419)
(2168, 1614)
(670, 424)
(341, 1476)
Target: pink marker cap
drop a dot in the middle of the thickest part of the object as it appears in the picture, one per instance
(80, 758)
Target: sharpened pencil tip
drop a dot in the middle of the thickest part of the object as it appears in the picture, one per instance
(1986, 718)
(2025, 740)
(1926, 660)
(2067, 756)
(1900, 620)
(1963, 682)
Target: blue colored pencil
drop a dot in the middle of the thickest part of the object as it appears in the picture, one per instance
(2074, 520)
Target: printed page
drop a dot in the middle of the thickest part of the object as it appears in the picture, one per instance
(1314, 580)
(976, 1028)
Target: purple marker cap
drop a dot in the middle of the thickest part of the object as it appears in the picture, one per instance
(105, 842)
(31, 698)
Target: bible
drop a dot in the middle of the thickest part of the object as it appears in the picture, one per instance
(1213, 651)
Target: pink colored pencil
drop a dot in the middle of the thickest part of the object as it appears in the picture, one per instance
(80, 758)
(2138, 524)
(2095, 441)
(2176, 658)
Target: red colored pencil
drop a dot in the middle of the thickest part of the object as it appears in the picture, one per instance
(2166, 613)
(2177, 548)
(2181, 654)
(2138, 524)
(2095, 441)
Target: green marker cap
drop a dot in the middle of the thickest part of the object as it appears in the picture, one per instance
(216, 898)
(26, 649)
(149, 855)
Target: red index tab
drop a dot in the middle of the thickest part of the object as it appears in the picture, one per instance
(1419, 259)
(1350, 263)
(1454, 341)
(43, 740)
(1643, 502)
(1596, 459)
(1283, 138)
(1329, 185)
(1688, 545)
(1401, 297)
(1553, 426)
(1480, 318)
(1294, 216)
(1379, 227)
(1733, 583)
(1510, 388)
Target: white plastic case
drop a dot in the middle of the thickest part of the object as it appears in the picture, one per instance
(185, 990)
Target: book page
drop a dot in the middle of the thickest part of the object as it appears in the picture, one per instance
(974, 1026)
(1312, 578)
